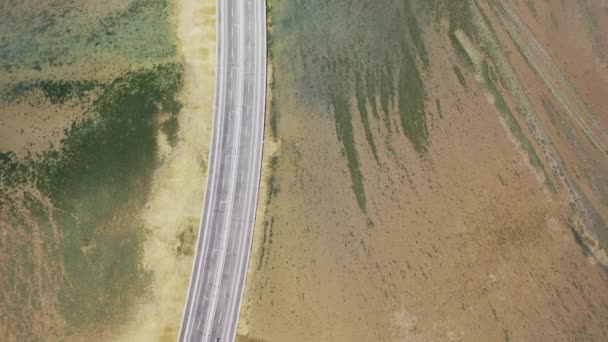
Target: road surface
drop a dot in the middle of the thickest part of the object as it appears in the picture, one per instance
(222, 252)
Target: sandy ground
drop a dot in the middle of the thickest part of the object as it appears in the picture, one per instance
(182, 172)
(467, 243)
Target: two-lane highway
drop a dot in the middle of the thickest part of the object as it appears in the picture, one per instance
(220, 264)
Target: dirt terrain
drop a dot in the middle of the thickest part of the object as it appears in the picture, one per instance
(493, 230)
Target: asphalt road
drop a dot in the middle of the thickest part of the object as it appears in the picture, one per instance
(227, 219)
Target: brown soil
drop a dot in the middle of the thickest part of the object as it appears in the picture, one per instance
(466, 241)
(34, 124)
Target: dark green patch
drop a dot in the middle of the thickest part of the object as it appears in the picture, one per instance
(274, 119)
(362, 107)
(12, 172)
(105, 164)
(387, 92)
(458, 12)
(460, 76)
(411, 104)
(186, 240)
(171, 127)
(460, 51)
(531, 7)
(513, 125)
(461, 15)
(415, 34)
(507, 115)
(273, 183)
(57, 91)
(580, 242)
(267, 240)
(438, 107)
(97, 180)
(344, 130)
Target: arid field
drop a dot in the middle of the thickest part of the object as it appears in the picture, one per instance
(434, 171)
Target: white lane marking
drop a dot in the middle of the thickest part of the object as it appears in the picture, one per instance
(250, 207)
(228, 212)
(258, 158)
(230, 330)
(185, 333)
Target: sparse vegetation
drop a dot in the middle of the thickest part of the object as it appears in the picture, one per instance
(460, 51)
(438, 107)
(531, 7)
(384, 70)
(344, 130)
(411, 101)
(170, 127)
(459, 76)
(57, 91)
(511, 122)
(362, 108)
(580, 242)
(274, 120)
(557, 120)
(266, 241)
(186, 240)
(272, 183)
(415, 34)
(96, 179)
(64, 35)
(500, 214)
